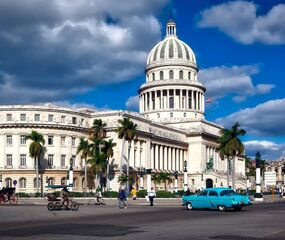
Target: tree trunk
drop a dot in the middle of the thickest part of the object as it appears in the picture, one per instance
(228, 172)
(165, 186)
(108, 170)
(234, 173)
(37, 173)
(128, 169)
(85, 175)
(122, 155)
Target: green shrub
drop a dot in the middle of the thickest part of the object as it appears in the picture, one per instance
(23, 195)
(110, 194)
(76, 194)
(165, 194)
(141, 193)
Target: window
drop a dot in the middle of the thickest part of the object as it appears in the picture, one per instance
(35, 182)
(227, 192)
(158, 115)
(213, 193)
(9, 140)
(75, 182)
(8, 182)
(22, 182)
(73, 141)
(171, 102)
(82, 121)
(63, 181)
(9, 160)
(62, 119)
(23, 140)
(184, 114)
(50, 118)
(153, 77)
(189, 75)
(180, 74)
(9, 117)
(73, 160)
(23, 117)
(62, 141)
(161, 75)
(22, 160)
(50, 140)
(62, 161)
(37, 117)
(171, 114)
(50, 160)
(171, 74)
(51, 181)
(204, 193)
(74, 120)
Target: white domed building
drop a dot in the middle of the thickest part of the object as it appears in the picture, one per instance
(173, 134)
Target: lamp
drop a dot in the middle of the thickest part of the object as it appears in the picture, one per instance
(185, 166)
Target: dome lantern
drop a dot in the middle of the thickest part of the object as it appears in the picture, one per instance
(171, 28)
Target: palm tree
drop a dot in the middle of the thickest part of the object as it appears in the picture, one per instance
(84, 149)
(232, 146)
(109, 152)
(127, 131)
(156, 179)
(98, 130)
(35, 151)
(263, 164)
(165, 178)
(222, 140)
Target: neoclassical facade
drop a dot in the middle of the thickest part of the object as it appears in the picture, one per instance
(172, 131)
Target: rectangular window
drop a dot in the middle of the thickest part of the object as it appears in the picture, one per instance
(73, 141)
(50, 140)
(50, 160)
(9, 140)
(50, 118)
(74, 120)
(171, 102)
(9, 117)
(9, 161)
(73, 160)
(22, 160)
(62, 141)
(23, 117)
(62, 119)
(62, 161)
(37, 117)
(22, 139)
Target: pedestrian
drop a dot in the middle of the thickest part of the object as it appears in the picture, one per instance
(122, 199)
(134, 193)
(151, 195)
(188, 192)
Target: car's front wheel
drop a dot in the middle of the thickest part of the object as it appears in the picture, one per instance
(221, 208)
(189, 206)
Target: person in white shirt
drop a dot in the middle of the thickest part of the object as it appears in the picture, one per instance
(151, 195)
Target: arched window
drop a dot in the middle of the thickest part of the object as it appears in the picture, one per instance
(184, 114)
(75, 182)
(22, 182)
(83, 183)
(63, 181)
(8, 182)
(161, 75)
(158, 115)
(35, 182)
(51, 181)
(180, 74)
(171, 74)
(189, 75)
(171, 114)
(153, 77)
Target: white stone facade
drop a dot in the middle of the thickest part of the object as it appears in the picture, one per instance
(171, 129)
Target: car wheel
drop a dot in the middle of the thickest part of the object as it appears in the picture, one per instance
(237, 208)
(221, 208)
(189, 206)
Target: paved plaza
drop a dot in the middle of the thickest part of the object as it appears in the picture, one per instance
(166, 220)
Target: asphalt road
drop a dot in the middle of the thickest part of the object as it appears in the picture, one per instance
(260, 221)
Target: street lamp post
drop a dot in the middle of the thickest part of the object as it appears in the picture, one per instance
(258, 195)
(185, 176)
(175, 181)
(202, 181)
(141, 173)
(70, 175)
(148, 179)
(46, 185)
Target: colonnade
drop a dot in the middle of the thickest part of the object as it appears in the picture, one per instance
(172, 99)
(212, 152)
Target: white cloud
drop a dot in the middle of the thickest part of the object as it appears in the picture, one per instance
(239, 20)
(71, 47)
(265, 119)
(133, 103)
(221, 81)
(269, 150)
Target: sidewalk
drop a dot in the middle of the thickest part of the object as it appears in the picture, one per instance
(139, 201)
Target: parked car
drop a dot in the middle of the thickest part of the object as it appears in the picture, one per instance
(216, 198)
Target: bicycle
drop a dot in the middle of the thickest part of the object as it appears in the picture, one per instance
(58, 204)
(8, 195)
(97, 201)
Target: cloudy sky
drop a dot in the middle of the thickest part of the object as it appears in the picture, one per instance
(93, 53)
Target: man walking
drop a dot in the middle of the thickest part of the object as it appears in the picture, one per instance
(151, 195)
(122, 199)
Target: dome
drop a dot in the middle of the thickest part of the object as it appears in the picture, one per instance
(171, 49)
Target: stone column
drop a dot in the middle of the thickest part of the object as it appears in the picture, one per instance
(152, 156)
(177, 160)
(192, 99)
(155, 100)
(181, 160)
(173, 159)
(187, 100)
(156, 157)
(169, 158)
(161, 157)
(167, 99)
(165, 158)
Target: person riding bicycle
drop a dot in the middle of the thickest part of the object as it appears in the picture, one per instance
(64, 195)
(98, 196)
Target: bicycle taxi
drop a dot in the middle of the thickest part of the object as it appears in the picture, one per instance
(8, 194)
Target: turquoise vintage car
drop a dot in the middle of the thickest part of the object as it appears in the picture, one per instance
(216, 198)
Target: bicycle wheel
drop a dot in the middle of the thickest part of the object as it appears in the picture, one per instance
(13, 199)
(92, 202)
(2, 201)
(74, 206)
(57, 206)
(102, 201)
(50, 206)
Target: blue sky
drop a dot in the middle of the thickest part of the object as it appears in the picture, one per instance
(93, 53)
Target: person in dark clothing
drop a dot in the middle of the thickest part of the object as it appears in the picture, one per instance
(122, 199)
(188, 192)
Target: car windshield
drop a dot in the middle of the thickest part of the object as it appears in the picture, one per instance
(227, 192)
